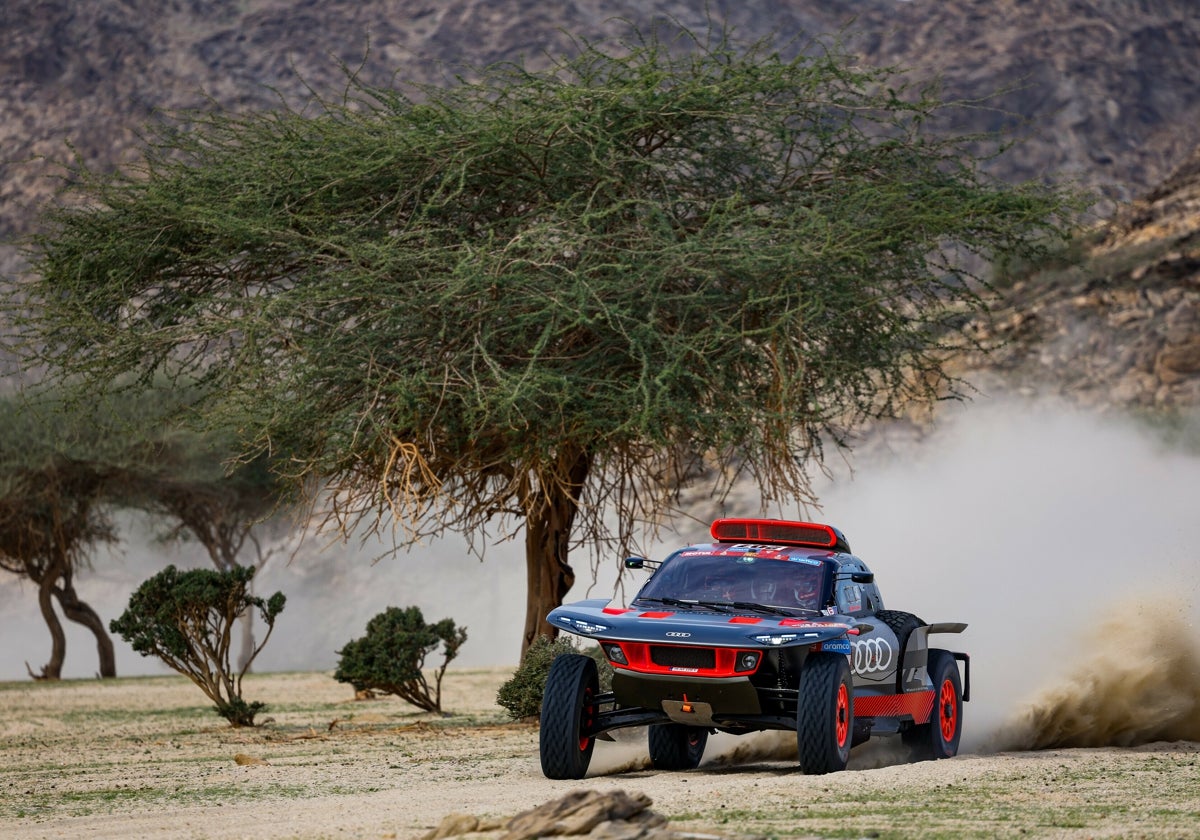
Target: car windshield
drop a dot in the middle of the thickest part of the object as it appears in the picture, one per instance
(722, 577)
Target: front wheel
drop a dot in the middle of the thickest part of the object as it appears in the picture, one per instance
(824, 713)
(674, 746)
(939, 738)
(565, 739)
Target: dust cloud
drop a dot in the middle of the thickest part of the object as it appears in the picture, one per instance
(1067, 541)
(1069, 544)
(1141, 685)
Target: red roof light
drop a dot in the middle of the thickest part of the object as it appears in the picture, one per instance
(775, 531)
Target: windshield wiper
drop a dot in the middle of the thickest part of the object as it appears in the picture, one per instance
(750, 605)
(670, 602)
(724, 606)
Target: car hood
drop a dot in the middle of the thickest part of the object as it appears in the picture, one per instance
(601, 619)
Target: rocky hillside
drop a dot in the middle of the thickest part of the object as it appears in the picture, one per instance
(1103, 92)
(1117, 324)
(1108, 86)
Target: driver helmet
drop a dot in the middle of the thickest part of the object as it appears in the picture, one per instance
(805, 590)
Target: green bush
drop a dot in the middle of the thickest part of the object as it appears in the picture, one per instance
(521, 695)
(390, 658)
(186, 620)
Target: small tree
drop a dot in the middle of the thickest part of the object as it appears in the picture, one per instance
(522, 693)
(391, 657)
(186, 620)
(53, 513)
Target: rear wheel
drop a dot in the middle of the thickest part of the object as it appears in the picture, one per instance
(824, 713)
(939, 738)
(565, 739)
(675, 746)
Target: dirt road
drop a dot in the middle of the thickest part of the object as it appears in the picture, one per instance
(146, 757)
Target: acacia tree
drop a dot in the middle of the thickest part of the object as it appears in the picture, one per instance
(52, 515)
(49, 522)
(540, 296)
(65, 468)
(224, 507)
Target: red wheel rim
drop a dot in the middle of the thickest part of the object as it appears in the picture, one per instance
(842, 723)
(948, 716)
(587, 719)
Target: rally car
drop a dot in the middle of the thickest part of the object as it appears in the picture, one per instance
(772, 625)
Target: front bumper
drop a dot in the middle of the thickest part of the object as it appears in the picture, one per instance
(732, 696)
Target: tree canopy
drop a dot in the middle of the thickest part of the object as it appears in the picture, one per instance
(541, 295)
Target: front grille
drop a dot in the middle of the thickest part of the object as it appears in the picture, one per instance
(683, 657)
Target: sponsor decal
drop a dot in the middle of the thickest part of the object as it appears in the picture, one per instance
(836, 646)
(872, 655)
(812, 625)
(685, 670)
(675, 634)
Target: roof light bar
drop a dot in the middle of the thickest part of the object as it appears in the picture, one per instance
(777, 531)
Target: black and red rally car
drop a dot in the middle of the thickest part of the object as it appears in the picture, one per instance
(773, 625)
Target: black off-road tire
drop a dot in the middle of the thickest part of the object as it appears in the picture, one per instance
(824, 714)
(565, 742)
(676, 746)
(939, 738)
(902, 624)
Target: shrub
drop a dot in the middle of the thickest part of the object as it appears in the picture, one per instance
(521, 695)
(186, 619)
(390, 658)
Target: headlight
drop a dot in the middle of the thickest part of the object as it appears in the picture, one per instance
(578, 625)
(775, 638)
(747, 660)
(615, 654)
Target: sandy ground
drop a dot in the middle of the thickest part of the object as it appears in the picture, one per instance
(145, 757)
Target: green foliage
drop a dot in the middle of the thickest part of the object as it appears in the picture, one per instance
(185, 619)
(391, 656)
(521, 694)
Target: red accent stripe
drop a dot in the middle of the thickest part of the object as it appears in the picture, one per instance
(918, 704)
(616, 611)
(744, 619)
(637, 654)
(656, 615)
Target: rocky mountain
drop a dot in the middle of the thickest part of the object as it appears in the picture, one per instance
(1102, 92)
(1117, 324)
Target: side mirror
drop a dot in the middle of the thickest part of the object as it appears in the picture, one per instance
(635, 562)
(863, 577)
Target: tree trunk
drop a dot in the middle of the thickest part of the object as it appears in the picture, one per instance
(247, 645)
(81, 613)
(52, 670)
(547, 539)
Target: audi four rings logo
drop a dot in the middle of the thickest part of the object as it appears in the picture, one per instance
(676, 635)
(872, 655)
